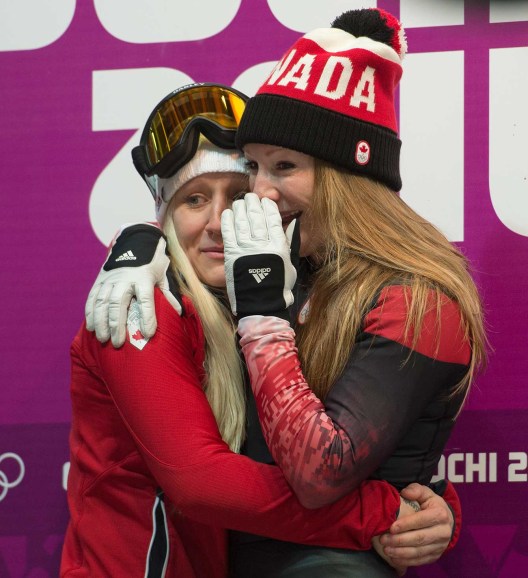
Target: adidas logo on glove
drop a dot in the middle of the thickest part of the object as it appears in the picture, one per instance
(260, 274)
(128, 256)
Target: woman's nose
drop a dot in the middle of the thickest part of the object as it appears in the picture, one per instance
(263, 187)
(213, 226)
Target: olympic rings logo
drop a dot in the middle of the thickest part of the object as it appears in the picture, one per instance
(5, 484)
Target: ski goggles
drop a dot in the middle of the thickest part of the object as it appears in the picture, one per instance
(171, 134)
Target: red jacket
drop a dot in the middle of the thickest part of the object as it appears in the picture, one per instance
(142, 423)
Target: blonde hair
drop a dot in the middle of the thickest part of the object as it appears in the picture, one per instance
(373, 238)
(224, 382)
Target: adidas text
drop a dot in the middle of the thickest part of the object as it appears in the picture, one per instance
(260, 274)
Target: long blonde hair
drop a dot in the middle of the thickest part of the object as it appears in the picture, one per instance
(372, 238)
(224, 383)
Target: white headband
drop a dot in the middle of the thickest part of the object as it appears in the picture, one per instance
(207, 159)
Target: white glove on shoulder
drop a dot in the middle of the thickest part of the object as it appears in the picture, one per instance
(137, 262)
(258, 257)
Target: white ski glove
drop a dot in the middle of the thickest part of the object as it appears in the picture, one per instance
(258, 262)
(137, 262)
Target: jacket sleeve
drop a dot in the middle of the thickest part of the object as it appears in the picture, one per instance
(327, 450)
(157, 391)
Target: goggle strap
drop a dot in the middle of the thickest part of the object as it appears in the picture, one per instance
(139, 160)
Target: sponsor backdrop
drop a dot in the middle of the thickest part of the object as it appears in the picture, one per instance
(77, 82)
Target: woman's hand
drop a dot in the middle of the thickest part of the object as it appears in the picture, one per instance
(137, 262)
(407, 508)
(257, 252)
(417, 537)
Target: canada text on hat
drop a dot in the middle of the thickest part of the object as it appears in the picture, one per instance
(343, 81)
(332, 69)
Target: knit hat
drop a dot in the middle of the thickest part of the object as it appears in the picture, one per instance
(331, 96)
(208, 159)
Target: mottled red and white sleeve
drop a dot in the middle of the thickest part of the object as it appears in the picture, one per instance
(327, 450)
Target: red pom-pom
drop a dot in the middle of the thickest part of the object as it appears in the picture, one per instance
(398, 40)
(376, 24)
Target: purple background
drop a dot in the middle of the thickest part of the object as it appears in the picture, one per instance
(51, 159)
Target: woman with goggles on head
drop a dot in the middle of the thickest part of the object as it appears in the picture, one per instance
(155, 423)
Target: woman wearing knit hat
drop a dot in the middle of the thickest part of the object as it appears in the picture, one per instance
(389, 330)
(154, 477)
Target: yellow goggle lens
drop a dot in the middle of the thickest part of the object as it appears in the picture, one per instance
(170, 120)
